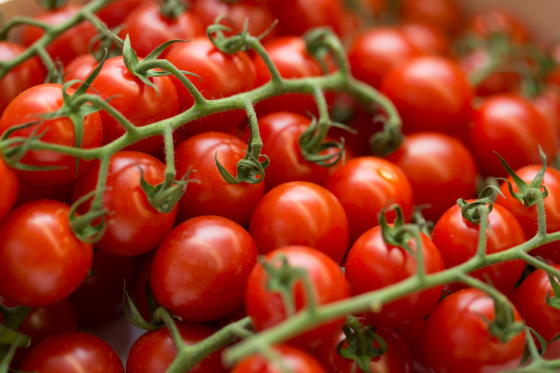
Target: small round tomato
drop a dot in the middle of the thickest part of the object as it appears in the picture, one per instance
(427, 37)
(373, 264)
(440, 170)
(8, 189)
(456, 337)
(214, 195)
(293, 359)
(70, 43)
(431, 93)
(114, 13)
(300, 213)
(374, 52)
(200, 269)
(548, 104)
(266, 307)
(365, 186)
(25, 108)
(298, 16)
(41, 262)
(497, 128)
(457, 241)
(154, 351)
(79, 68)
(72, 352)
(134, 226)
(412, 336)
(498, 21)
(445, 13)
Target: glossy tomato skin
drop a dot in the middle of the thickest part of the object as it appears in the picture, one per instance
(147, 28)
(79, 68)
(296, 360)
(8, 189)
(114, 13)
(134, 226)
(25, 108)
(26, 75)
(70, 43)
(300, 213)
(548, 104)
(298, 16)
(456, 337)
(457, 240)
(374, 52)
(496, 127)
(154, 351)
(428, 38)
(498, 21)
(440, 170)
(139, 103)
(372, 264)
(73, 352)
(266, 307)
(365, 186)
(445, 13)
(222, 75)
(431, 93)
(200, 269)
(214, 195)
(56, 262)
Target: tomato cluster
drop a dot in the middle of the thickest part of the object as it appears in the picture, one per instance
(161, 216)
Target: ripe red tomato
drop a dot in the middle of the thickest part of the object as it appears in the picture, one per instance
(457, 241)
(373, 264)
(148, 28)
(46, 98)
(428, 38)
(134, 226)
(456, 336)
(200, 269)
(266, 307)
(8, 189)
(548, 104)
(375, 51)
(154, 351)
(412, 336)
(26, 75)
(114, 13)
(214, 196)
(300, 213)
(431, 93)
(440, 170)
(79, 68)
(70, 43)
(498, 21)
(367, 185)
(297, 361)
(445, 13)
(511, 126)
(41, 262)
(222, 75)
(298, 16)
(73, 352)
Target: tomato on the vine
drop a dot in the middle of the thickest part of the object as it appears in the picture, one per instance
(298, 16)
(494, 21)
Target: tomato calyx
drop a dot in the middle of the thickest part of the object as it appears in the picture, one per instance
(12, 150)
(83, 226)
(231, 44)
(553, 301)
(400, 233)
(105, 43)
(312, 145)
(135, 318)
(164, 196)
(53, 4)
(387, 141)
(171, 9)
(13, 318)
(503, 327)
(471, 210)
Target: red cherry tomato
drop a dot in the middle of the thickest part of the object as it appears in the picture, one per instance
(154, 351)
(267, 308)
(431, 93)
(440, 170)
(300, 213)
(372, 264)
(214, 196)
(548, 104)
(70, 43)
(41, 262)
(298, 16)
(297, 361)
(445, 13)
(73, 352)
(114, 13)
(8, 189)
(499, 21)
(134, 226)
(79, 68)
(412, 336)
(512, 127)
(427, 37)
(456, 336)
(46, 98)
(200, 270)
(457, 241)
(365, 186)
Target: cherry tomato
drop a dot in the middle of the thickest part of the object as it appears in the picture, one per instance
(431, 93)
(456, 336)
(79, 68)
(373, 264)
(375, 51)
(46, 98)
(512, 127)
(41, 262)
(214, 196)
(445, 13)
(498, 21)
(412, 336)
(457, 241)
(298, 16)
(266, 307)
(70, 43)
(295, 360)
(8, 189)
(548, 104)
(440, 170)
(114, 13)
(154, 351)
(72, 352)
(200, 270)
(134, 226)
(427, 37)
(300, 213)
(365, 186)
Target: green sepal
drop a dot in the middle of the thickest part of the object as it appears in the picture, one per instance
(247, 169)
(134, 316)
(398, 234)
(362, 358)
(163, 198)
(387, 141)
(12, 337)
(313, 155)
(503, 327)
(82, 226)
(231, 44)
(469, 210)
(107, 45)
(53, 4)
(553, 301)
(171, 9)
(55, 75)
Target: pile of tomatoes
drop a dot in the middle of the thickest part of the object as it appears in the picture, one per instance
(306, 235)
